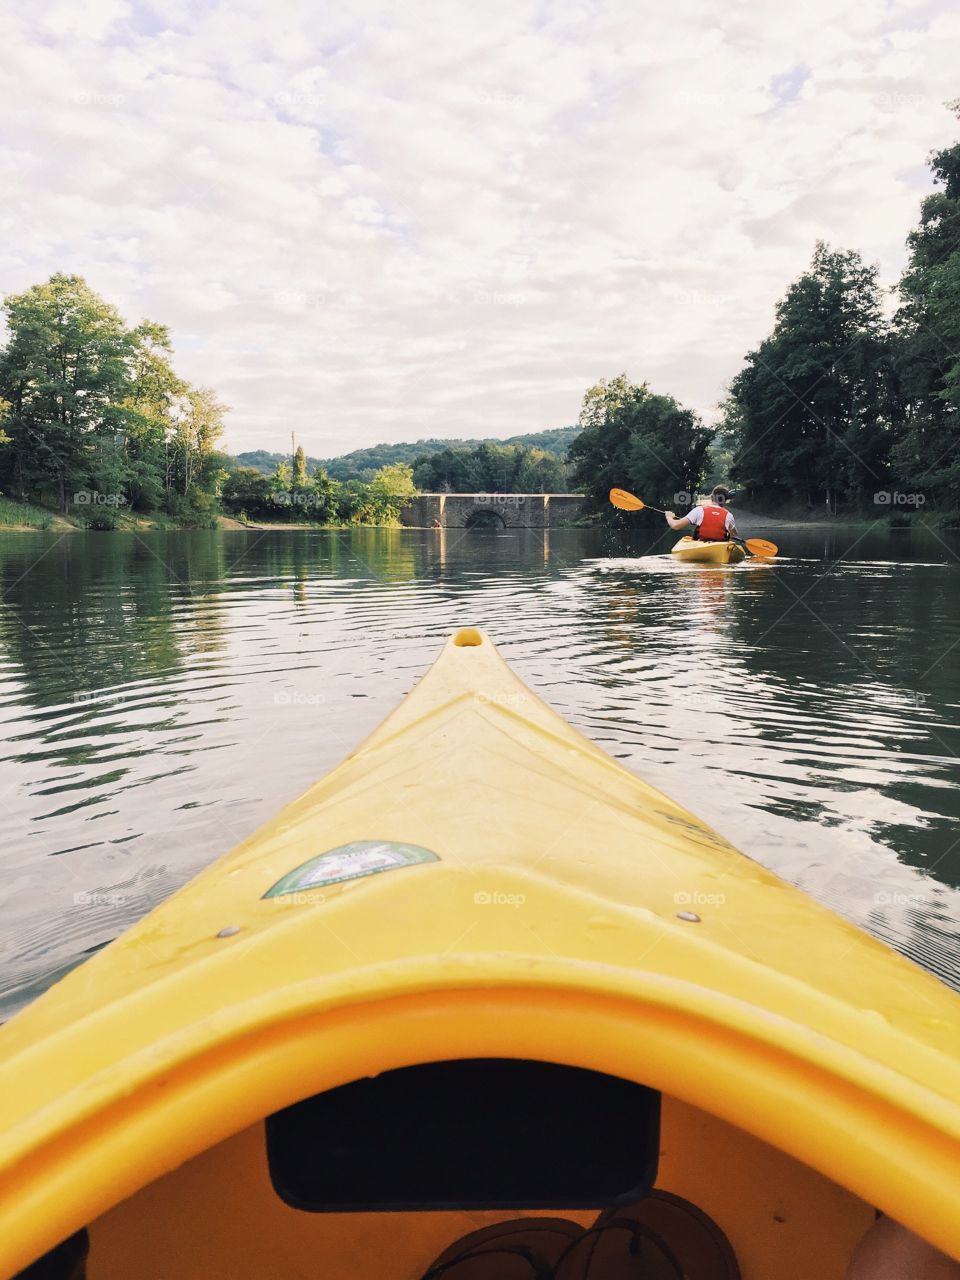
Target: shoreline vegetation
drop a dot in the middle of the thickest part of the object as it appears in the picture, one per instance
(841, 415)
(25, 517)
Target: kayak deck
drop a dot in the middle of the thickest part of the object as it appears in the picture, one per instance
(694, 551)
(477, 880)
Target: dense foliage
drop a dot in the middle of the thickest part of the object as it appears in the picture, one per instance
(491, 468)
(95, 418)
(363, 464)
(292, 495)
(811, 412)
(634, 439)
(841, 408)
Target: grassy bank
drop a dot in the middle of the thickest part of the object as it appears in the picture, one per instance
(23, 516)
(28, 517)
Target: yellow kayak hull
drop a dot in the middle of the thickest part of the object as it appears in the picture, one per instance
(542, 904)
(692, 551)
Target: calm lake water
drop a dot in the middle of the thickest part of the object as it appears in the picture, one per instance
(163, 694)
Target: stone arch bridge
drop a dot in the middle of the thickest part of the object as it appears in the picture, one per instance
(494, 510)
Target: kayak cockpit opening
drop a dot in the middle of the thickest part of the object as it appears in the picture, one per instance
(484, 1133)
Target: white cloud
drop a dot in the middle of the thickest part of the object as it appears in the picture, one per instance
(383, 223)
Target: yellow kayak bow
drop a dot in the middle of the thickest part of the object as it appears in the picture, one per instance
(477, 880)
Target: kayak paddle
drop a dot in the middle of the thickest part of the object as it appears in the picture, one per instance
(758, 546)
(627, 502)
(630, 502)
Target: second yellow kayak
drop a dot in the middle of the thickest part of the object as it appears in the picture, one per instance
(696, 552)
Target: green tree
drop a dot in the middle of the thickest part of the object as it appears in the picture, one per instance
(380, 501)
(927, 454)
(149, 409)
(491, 468)
(247, 492)
(299, 468)
(65, 373)
(198, 426)
(324, 494)
(633, 439)
(809, 414)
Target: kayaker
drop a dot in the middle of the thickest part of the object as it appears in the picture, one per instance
(709, 522)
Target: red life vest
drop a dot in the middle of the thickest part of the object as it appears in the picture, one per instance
(713, 526)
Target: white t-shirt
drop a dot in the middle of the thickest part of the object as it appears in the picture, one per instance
(696, 516)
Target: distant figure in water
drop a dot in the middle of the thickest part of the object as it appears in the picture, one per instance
(710, 522)
(891, 1252)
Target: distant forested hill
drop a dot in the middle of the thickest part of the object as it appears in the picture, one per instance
(362, 463)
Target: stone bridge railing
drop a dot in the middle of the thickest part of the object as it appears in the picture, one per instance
(500, 510)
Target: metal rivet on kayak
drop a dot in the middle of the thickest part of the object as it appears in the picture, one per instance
(688, 915)
(228, 931)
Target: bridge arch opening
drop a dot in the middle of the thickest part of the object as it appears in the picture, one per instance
(484, 518)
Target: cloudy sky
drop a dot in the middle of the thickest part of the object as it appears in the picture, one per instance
(380, 221)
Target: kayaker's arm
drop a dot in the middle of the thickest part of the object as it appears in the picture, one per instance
(677, 522)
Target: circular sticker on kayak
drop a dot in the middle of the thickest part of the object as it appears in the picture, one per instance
(351, 862)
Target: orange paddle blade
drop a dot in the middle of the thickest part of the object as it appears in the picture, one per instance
(625, 501)
(760, 546)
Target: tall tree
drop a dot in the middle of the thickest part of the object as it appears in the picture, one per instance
(65, 373)
(198, 427)
(927, 455)
(154, 396)
(810, 412)
(634, 439)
